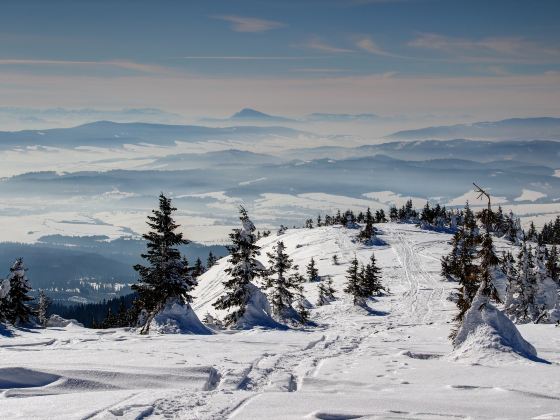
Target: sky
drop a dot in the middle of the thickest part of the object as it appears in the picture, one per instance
(484, 59)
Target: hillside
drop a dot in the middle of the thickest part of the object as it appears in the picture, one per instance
(390, 362)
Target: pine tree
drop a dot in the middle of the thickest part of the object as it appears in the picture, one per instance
(312, 272)
(367, 234)
(513, 288)
(211, 261)
(165, 277)
(371, 279)
(19, 311)
(302, 311)
(354, 285)
(489, 269)
(43, 307)
(283, 283)
(198, 268)
(546, 289)
(524, 312)
(552, 267)
(4, 300)
(243, 269)
(460, 264)
(326, 292)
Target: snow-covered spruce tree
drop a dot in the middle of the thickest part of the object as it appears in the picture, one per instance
(312, 272)
(514, 292)
(526, 311)
(283, 283)
(489, 269)
(355, 285)
(460, 264)
(243, 268)
(19, 311)
(326, 292)
(552, 267)
(371, 278)
(546, 290)
(4, 299)
(43, 307)
(367, 234)
(165, 278)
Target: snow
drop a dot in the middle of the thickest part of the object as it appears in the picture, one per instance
(176, 318)
(392, 361)
(530, 195)
(486, 331)
(59, 322)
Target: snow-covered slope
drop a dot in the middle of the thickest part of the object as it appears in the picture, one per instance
(385, 363)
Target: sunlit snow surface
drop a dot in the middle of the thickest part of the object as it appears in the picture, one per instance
(390, 363)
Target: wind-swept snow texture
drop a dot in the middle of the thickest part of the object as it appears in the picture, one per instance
(390, 361)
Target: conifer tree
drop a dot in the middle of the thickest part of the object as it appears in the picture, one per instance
(312, 272)
(546, 289)
(326, 292)
(283, 283)
(354, 285)
(19, 311)
(165, 277)
(198, 268)
(302, 311)
(552, 267)
(43, 307)
(211, 261)
(489, 269)
(367, 234)
(524, 312)
(460, 264)
(4, 299)
(371, 279)
(243, 269)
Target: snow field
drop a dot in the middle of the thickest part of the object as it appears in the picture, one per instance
(389, 362)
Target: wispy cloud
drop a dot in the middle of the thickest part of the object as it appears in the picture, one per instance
(316, 43)
(496, 49)
(249, 24)
(367, 44)
(122, 64)
(250, 57)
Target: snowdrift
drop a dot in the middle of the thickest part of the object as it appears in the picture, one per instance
(178, 318)
(257, 313)
(486, 331)
(56, 321)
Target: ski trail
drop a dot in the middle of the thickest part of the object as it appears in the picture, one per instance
(426, 295)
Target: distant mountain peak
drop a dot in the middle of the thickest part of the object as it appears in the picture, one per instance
(253, 114)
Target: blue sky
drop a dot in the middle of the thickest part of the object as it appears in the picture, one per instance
(183, 54)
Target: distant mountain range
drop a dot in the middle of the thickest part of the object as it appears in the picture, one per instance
(111, 134)
(543, 128)
(252, 115)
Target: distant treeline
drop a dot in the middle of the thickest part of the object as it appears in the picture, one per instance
(94, 315)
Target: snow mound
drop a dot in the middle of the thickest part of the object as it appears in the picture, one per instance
(178, 318)
(18, 377)
(257, 312)
(56, 321)
(486, 331)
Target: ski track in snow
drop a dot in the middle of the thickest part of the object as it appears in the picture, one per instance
(383, 364)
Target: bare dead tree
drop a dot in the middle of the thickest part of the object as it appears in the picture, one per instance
(482, 193)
